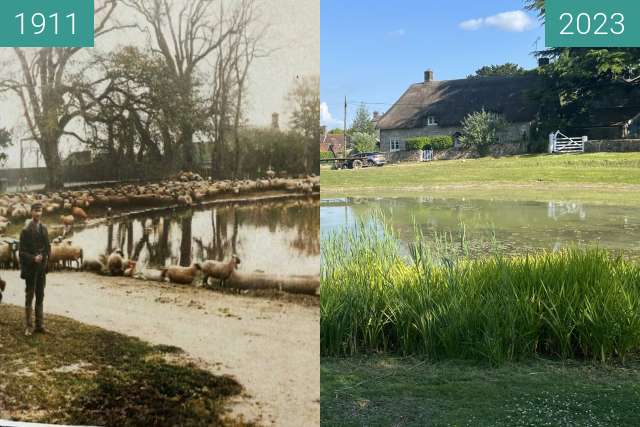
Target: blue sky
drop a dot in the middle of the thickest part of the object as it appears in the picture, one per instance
(372, 51)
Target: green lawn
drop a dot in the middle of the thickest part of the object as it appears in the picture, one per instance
(604, 177)
(385, 391)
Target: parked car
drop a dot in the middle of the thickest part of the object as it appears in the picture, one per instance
(363, 160)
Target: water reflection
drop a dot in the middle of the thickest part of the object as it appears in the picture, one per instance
(278, 238)
(516, 226)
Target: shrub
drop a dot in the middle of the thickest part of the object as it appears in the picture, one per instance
(438, 142)
(261, 148)
(480, 129)
(326, 155)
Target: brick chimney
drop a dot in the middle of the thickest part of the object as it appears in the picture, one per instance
(376, 116)
(275, 119)
(428, 75)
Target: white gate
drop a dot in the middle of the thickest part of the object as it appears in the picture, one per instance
(560, 143)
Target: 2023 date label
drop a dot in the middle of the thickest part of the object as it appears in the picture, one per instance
(592, 23)
(47, 23)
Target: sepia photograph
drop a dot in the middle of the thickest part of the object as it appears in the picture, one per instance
(159, 217)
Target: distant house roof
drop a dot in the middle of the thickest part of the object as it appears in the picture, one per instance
(449, 101)
(331, 138)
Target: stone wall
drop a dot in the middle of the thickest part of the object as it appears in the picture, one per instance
(497, 150)
(612, 145)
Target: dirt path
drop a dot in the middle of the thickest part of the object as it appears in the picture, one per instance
(271, 347)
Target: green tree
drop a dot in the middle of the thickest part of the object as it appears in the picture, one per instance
(480, 129)
(336, 131)
(508, 69)
(363, 142)
(362, 122)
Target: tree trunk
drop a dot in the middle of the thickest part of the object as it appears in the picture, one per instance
(54, 165)
(187, 146)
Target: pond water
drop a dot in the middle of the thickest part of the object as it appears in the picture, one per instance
(513, 227)
(278, 238)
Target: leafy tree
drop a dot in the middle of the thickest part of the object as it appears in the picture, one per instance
(480, 129)
(537, 5)
(336, 131)
(508, 69)
(362, 122)
(363, 142)
(5, 142)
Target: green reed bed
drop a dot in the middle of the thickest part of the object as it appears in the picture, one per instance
(575, 303)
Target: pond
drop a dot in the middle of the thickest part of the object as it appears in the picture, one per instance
(274, 237)
(513, 227)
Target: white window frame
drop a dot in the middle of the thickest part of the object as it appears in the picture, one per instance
(394, 144)
(430, 121)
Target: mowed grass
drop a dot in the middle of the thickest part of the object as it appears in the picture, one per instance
(533, 177)
(575, 303)
(82, 375)
(387, 391)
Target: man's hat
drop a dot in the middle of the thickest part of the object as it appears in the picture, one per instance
(36, 206)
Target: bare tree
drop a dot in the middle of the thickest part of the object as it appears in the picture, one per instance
(185, 34)
(234, 58)
(49, 90)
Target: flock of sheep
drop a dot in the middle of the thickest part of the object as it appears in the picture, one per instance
(185, 189)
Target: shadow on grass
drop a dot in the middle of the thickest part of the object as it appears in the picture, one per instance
(78, 374)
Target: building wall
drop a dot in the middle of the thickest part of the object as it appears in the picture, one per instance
(513, 133)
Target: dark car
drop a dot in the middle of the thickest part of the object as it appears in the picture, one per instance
(360, 160)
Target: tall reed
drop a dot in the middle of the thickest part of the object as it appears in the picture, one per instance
(575, 303)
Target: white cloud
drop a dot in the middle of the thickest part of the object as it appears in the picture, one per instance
(513, 21)
(325, 116)
(397, 33)
(472, 24)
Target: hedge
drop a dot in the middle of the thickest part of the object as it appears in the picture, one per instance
(326, 155)
(439, 142)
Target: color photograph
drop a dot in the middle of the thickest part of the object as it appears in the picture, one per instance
(479, 218)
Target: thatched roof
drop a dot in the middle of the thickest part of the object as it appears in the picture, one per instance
(449, 101)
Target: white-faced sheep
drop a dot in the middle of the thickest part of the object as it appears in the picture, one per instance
(64, 254)
(182, 275)
(220, 270)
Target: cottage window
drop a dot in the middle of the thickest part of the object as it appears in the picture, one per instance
(430, 121)
(394, 144)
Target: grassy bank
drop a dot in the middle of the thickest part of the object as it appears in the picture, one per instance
(577, 303)
(601, 177)
(385, 391)
(79, 374)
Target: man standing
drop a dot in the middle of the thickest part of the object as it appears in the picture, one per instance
(34, 255)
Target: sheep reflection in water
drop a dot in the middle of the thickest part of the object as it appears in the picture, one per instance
(272, 237)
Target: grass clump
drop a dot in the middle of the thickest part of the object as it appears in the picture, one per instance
(574, 303)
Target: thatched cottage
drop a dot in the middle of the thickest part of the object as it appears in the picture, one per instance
(438, 107)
